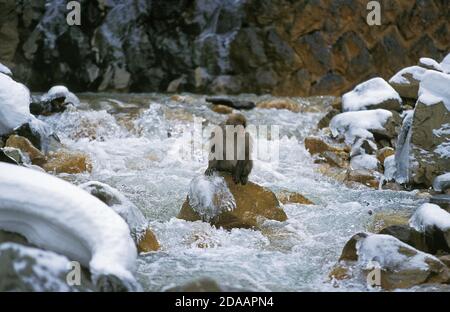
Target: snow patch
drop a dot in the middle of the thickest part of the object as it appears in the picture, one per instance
(209, 196)
(370, 93)
(430, 63)
(428, 216)
(435, 88)
(445, 64)
(416, 73)
(58, 216)
(14, 104)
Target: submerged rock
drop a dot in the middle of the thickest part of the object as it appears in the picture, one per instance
(222, 109)
(372, 94)
(65, 161)
(219, 201)
(398, 264)
(280, 104)
(286, 197)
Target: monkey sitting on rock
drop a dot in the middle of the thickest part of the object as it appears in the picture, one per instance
(231, 149)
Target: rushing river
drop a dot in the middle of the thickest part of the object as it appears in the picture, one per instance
(133, 141)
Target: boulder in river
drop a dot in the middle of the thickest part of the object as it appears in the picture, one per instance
(397, 264)
(442, 183)
(287, 197)
(218, 200)
(237, 104)
(375, 93)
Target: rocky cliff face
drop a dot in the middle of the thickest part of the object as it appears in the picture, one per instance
(286, 47)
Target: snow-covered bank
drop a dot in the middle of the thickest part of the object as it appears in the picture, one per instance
(58, 216)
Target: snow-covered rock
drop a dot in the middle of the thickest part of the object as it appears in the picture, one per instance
(14, 104)
(435, 223)
(58, 216)
(406, 82)
(223, 203)
(423, 147)
(58, 91)
(442, 182)
(435, 88)
(353, 125)
(5, 70)
(398, 264)
(445, 64)
(429, 63)
(375, 93)
(27, 269)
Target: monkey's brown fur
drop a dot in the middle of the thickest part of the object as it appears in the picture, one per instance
(239, 167)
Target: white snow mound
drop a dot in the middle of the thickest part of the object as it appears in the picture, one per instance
(357, 124)
(58, 216)
(14, 104)
(435, 88)
(445, 64)
(442, 182)
(416, 73)
(430, 63)
(428, 216)
(61, 90)
(370, 93)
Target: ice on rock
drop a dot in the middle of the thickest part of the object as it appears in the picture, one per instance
(58, 216)
(5, 70)
(122, 205)
(364, 161)
(209, 196)
(390, 168)
(403, 152)
(442, 182)
(14, 104)
(429, 216)
(57, 91)
(371, 94)
(435, 88)
(445, 64)
(358, 124)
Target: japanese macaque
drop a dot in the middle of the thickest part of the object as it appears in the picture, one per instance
(231, 149)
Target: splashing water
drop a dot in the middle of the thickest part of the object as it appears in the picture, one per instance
(133, 141)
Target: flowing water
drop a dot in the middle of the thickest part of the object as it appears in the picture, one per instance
(133, 141)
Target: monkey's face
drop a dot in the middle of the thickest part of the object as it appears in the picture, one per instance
(236, 120)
